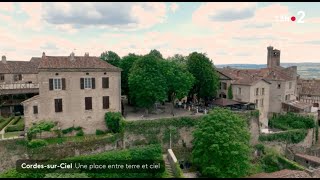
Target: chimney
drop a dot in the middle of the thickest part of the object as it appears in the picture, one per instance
(43, 55)
(4, 59)
(72, 56)
(86, 54)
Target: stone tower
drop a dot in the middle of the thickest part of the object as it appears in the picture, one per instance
(273, 57)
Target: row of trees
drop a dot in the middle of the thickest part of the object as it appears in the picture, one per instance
(150, 78)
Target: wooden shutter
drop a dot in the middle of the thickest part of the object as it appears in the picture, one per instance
(81, 83)
(63, 83)
(88, 103)
(105, 101)
(93, 83)
(105, 82)
(58, 105)
(35, 109)
(50, 84)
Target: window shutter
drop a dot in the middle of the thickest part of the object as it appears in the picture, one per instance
(50, 84)
(56, 105)
(93, 83)
(88, 103)
(105, 82)
(35, 109)
(105, 102)
(81, 83)
(63, 83)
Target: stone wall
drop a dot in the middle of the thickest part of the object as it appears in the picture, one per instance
(13, 150)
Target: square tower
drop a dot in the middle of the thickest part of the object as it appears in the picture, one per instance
(273, 57)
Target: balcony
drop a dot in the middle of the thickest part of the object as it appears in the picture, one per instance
(19, 88)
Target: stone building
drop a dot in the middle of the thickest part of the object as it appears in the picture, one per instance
(74, 91)
(18, 82)
(246, 88)
(309, 91)
(271, 86)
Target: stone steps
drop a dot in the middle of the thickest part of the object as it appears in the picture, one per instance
(168, 166)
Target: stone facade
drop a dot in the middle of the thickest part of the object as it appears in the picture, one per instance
(73, 112)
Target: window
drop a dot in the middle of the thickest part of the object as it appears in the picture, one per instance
(105, 102)
(35, 109)
(257, 91)
(261, 103)
(88, 103)
(287, 97)
(58, 105)
(239, 91)
(17, 77)
(290, 85)
(1, 77)
(87, 83)
(57, 84)
(279, 85)
(105, 82)
(257, 102)
(224, 86)
(262, 91)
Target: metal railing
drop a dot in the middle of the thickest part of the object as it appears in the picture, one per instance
(19, 86)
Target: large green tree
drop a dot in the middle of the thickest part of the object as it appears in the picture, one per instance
(125, 64)
(221, 147)
(179, 80)
(180, 59)
(147, 84)
(207, 78)
(111, 57)
(156, 53)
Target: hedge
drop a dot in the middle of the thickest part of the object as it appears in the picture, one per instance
(16, 125)
(5, 122)
(291, 136)
(291, 121)
(36, 143)
(70, 129)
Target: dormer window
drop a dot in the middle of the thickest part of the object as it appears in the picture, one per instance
(1, 77)
(17, 77)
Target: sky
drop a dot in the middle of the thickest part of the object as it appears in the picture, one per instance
(228, 32)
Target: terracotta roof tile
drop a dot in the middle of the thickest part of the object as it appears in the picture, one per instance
(79, 62)
(19, 67)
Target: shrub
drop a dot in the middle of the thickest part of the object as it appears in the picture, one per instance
(100, 132)
(114, 121)
(260, 147)
(5, 123)
(36, 143)
(291, 121)
(291, 136)
(15, 125)
(40, 127)
(71, 129)
(80, 133)
(77, 128)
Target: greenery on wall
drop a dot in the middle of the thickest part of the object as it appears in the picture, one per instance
(291, 136)
(290, 121)
(38, 128)
(114, 121)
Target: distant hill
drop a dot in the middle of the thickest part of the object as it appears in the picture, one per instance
(307, 70)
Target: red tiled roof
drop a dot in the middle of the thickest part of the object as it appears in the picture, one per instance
(285, 173)
(251, 76)
(241, 76)
(19, 67)
(79, 62)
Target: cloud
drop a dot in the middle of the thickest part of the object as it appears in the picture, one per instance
(174, 7)
(6, 6)
(33, 10)
(313, 42)
(49, 46)
(232, 14)
(126, 15)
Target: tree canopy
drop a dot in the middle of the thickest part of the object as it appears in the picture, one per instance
(221, 145)
(125, 64)
(111, 57)
(156, 53)
(147, 84)
(207, 79)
